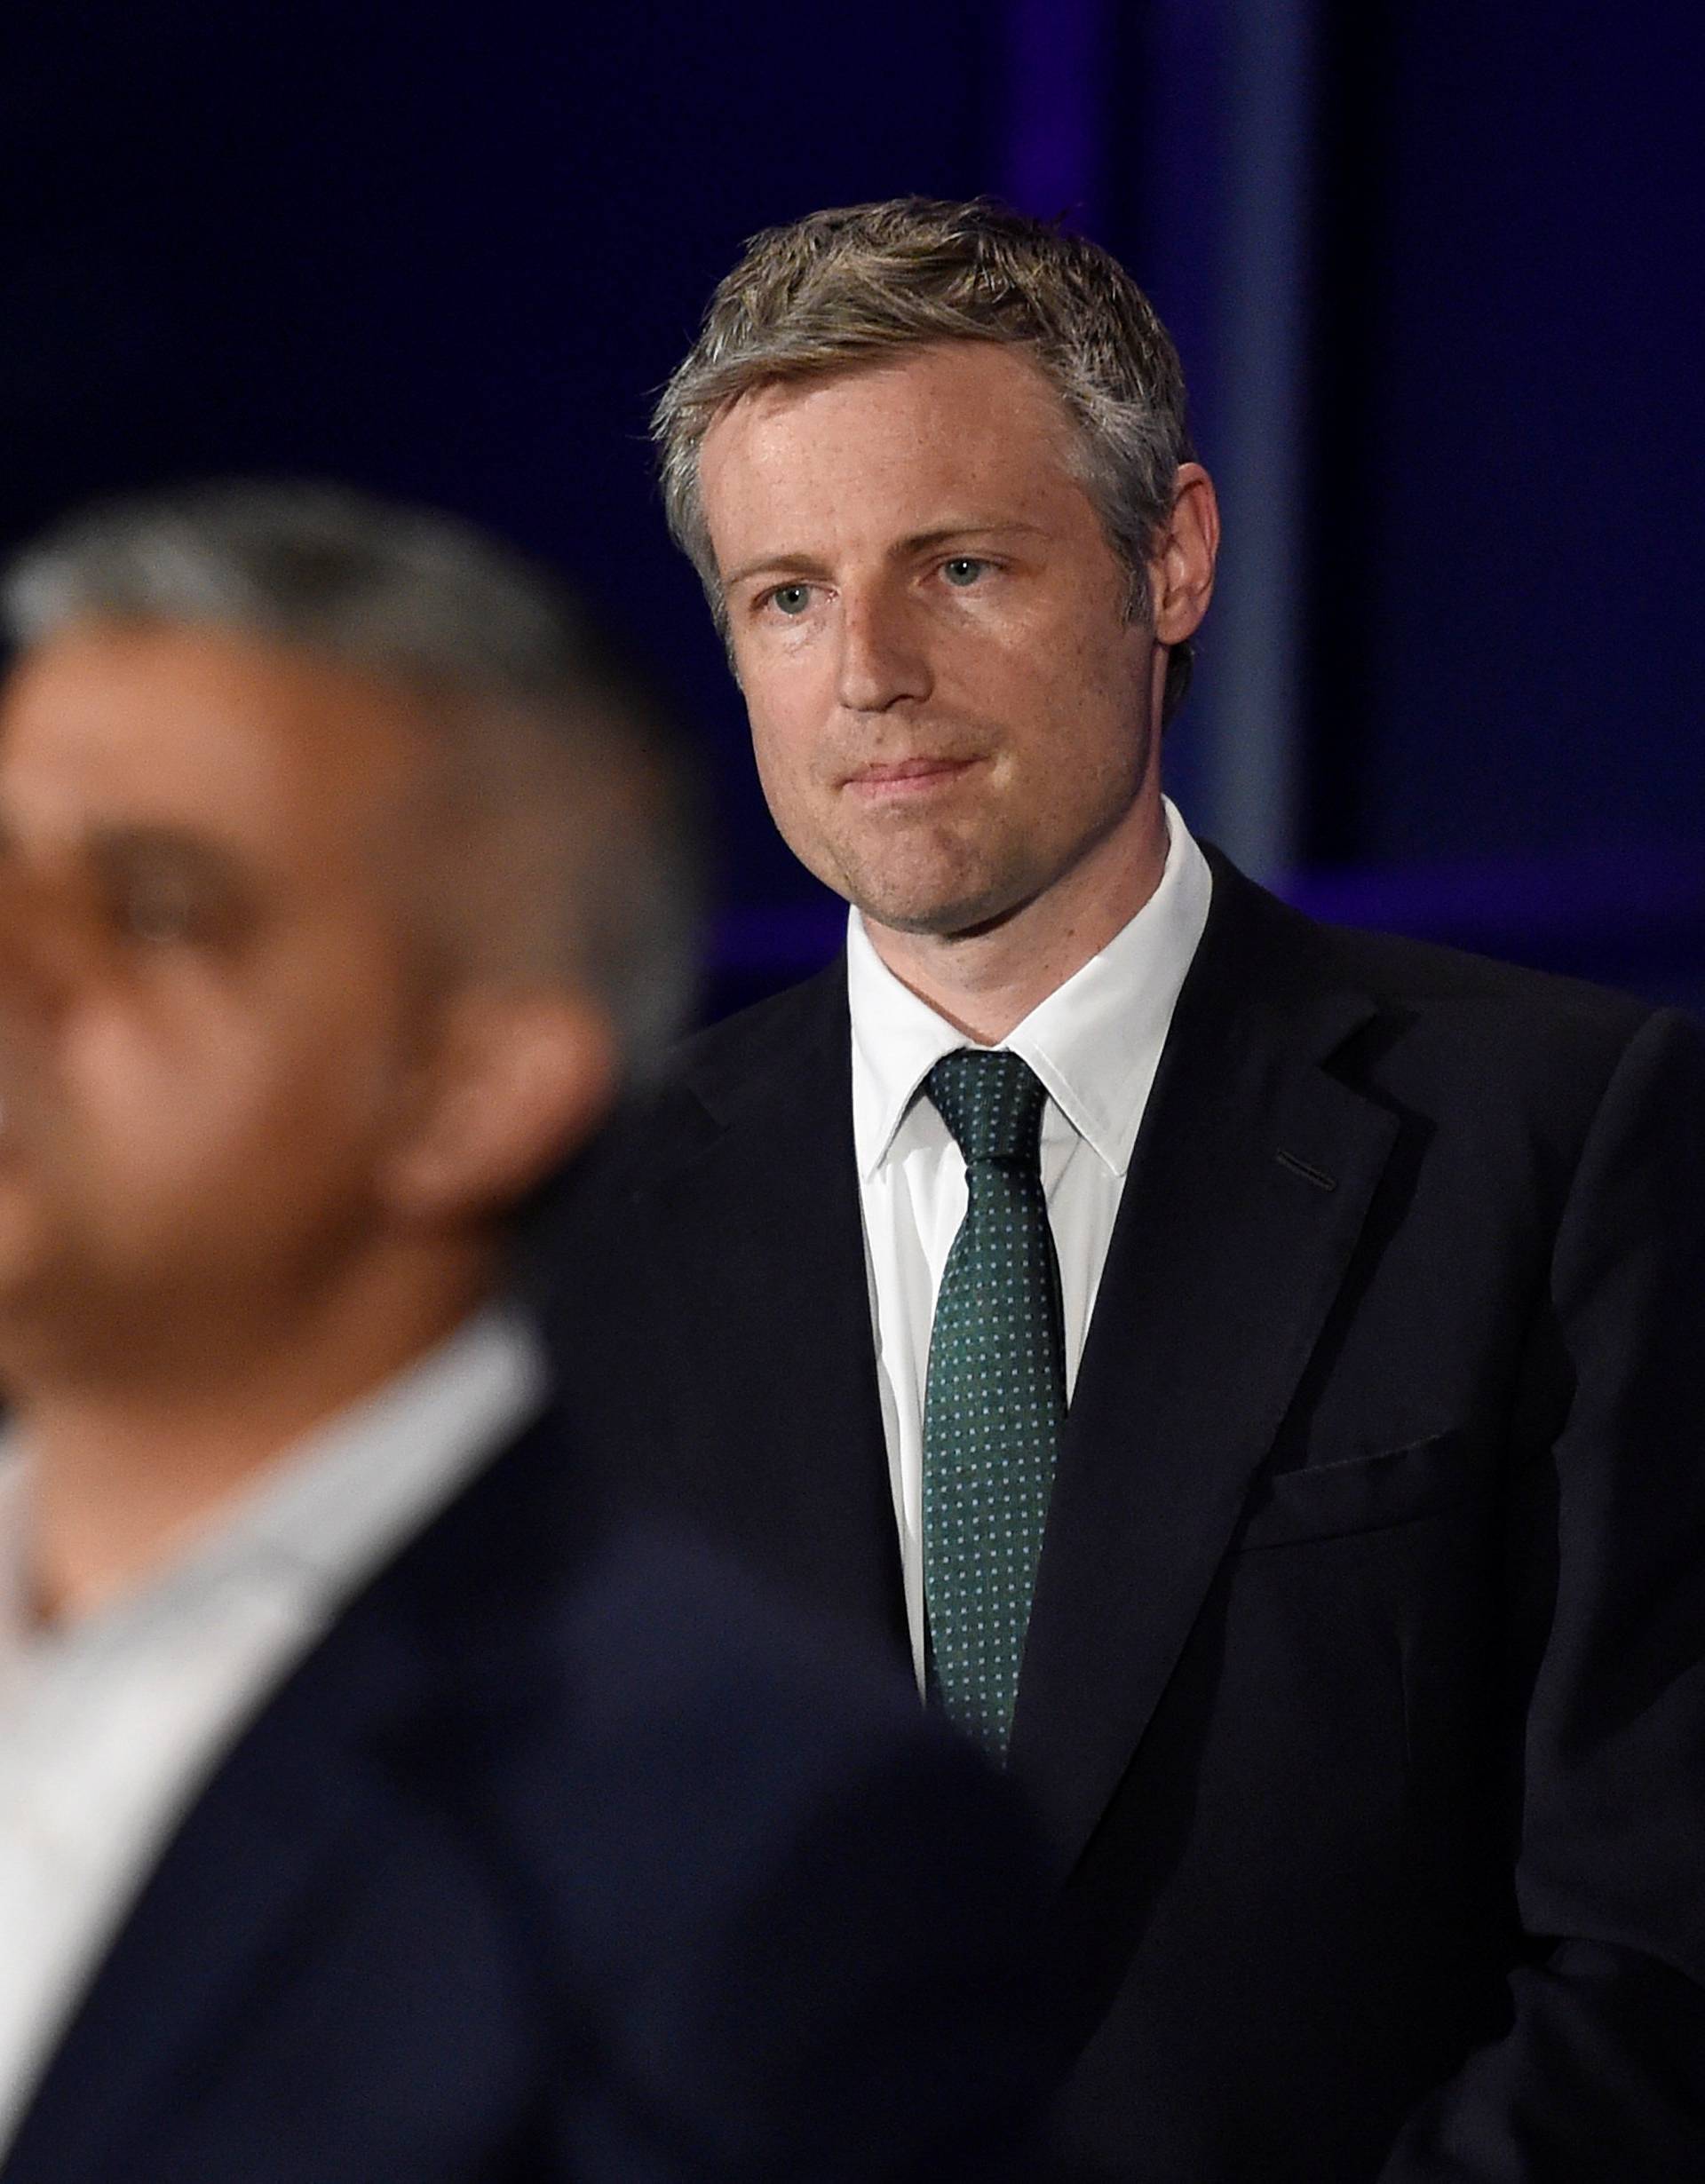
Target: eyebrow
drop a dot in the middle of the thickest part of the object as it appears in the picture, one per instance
(191, 855)
(142, 838)
(809, 566)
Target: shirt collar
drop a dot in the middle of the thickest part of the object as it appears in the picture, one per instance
(335, 1505)
(14, 1549)
(344, 1497)
(1095, 1042)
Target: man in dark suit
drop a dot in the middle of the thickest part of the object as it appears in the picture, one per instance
(1251, 1367)
(370, 1808)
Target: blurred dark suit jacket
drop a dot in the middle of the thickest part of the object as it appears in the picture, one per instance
(1363, 1694)
(559, 1859)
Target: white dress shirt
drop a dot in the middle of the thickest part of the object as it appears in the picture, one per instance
(1095, 1044)
(110, 1725)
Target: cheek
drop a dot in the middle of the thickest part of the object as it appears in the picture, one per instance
(787, 741)
(1089, 717)
(229, 1105)
(777, 759)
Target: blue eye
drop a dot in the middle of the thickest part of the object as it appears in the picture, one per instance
(791, 599)
(962, 570)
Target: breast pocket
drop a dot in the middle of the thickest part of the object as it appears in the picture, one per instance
(1362, 1493)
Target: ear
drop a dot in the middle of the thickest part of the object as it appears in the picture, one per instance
(1181, 570)
(518, 1081)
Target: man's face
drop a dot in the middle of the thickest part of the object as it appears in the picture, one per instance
(951, 706)
(209, 996)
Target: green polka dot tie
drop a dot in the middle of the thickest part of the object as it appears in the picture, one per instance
(994, 1398)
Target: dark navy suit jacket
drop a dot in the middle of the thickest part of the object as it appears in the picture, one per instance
(561, 1858)
(1363, 1696)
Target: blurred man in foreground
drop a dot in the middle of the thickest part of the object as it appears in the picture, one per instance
(365, 1812)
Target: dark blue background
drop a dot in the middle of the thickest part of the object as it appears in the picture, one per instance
(451, 254)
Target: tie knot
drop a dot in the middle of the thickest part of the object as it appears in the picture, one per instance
(991, 1101)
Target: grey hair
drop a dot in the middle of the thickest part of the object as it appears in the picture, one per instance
(845, 290)
(566, 771)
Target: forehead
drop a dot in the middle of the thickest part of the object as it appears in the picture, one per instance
(975, 423)
(251, 742)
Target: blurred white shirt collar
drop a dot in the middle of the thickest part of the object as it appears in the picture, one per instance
(110, 1724)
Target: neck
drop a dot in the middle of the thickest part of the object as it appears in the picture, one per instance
(129, 1466)
(986, 981)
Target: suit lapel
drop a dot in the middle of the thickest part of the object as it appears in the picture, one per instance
(1253, 1172)
(284, 1826)
(777, 1424)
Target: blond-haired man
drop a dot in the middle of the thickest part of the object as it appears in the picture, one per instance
(1249, 1365)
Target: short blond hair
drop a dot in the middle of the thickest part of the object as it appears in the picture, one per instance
(844, 289)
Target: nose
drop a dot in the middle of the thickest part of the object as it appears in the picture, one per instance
(882, 656)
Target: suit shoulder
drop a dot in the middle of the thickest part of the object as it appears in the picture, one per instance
(765, 1030)
(706, 1077)
(1491, 1038)
(1530, 1041)
(1426, 975)
(1490, 1045)
(583, 1251)
(1429, 982)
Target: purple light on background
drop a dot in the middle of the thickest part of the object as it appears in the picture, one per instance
(779, 940)
(1056, 69)
(1605, 902)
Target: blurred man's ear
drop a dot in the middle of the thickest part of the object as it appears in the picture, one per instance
(519, 1081)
